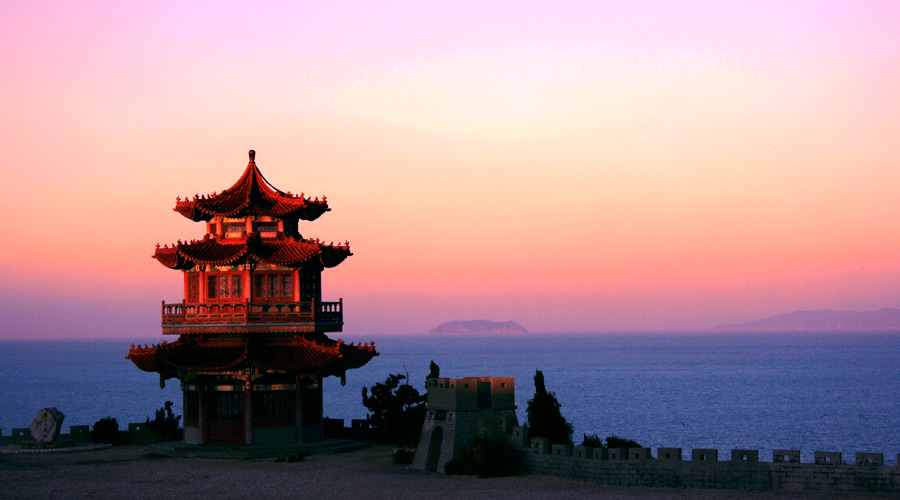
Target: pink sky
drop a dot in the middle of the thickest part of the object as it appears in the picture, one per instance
(583, 166)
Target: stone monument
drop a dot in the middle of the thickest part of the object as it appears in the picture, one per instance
(46, 425)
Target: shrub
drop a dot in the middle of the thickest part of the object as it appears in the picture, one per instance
(617, 442)
(106, 430)
(165, 423)
(544, 418)
(592, 441)
(488, 455)
(613, 441)
(404, 456)
(458, 467)
(397, 410)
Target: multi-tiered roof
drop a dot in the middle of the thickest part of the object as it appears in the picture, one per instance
(252, 195)
(252, 233)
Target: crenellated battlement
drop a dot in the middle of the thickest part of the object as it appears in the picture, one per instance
(460, 409)
(471, 393)
(703, 469)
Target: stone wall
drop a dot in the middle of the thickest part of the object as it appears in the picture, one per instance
(136, 433)
(742, 470)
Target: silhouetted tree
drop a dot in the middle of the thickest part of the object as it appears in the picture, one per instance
(544, 417)
(165, 423)
(397, 410)
(617, 442)
(435, 370)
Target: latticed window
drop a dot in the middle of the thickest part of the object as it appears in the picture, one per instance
(266, 227)
(259, 285)
(274, 409)
(235, 227)
(312, 407)
(224, 289)
(211, 287)
(307, 285)
(229, 406)
(193, 286)
(237, 286)
(273, 285)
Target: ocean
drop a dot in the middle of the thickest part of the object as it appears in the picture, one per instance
(807, 391)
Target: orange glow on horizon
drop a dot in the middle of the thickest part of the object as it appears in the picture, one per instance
(600, 166)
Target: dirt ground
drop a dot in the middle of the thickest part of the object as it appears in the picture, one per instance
(124, 472)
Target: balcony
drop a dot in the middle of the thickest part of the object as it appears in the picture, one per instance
(317, 316)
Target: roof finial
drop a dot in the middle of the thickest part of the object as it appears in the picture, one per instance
(252, 156)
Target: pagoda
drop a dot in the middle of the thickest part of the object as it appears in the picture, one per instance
(251, 348)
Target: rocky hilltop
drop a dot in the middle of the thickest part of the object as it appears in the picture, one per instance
(882, 319)
(479, 326)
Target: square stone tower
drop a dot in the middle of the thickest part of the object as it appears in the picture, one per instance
(457, 410)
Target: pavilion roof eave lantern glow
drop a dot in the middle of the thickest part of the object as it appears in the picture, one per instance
(252, 195)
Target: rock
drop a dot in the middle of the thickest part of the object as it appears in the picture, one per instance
(46, 425)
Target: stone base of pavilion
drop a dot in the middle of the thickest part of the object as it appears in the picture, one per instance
(327, 446)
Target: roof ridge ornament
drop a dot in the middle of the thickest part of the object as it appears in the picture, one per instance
(252, 156)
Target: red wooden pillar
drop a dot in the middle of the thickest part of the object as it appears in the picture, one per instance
(298, 392)
(248, 413)
(201, 414)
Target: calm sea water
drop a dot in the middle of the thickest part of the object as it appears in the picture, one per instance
(829, 391)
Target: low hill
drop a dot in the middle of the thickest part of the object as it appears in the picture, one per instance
(479, 326)
(882, 319)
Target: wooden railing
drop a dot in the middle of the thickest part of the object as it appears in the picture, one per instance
(253, 312)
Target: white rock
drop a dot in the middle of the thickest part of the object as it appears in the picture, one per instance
(46, 425)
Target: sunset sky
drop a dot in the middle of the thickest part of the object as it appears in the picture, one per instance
(573, 166)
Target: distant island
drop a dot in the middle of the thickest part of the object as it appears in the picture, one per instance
(479, 326)
(882, 319)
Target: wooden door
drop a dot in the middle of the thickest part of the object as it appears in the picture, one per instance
(225, 418)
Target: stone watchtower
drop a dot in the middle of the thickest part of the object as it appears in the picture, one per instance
(457, 410)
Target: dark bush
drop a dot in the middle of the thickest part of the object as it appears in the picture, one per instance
(397, 411)
(165, 423)
(106, 430)
(544, 418)
(613, 441)
(404, 456)
(488, 455)
(617, 442)
(458, 467)
(592, 441)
